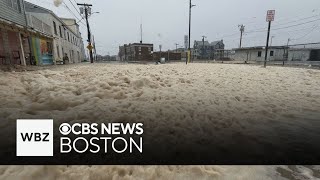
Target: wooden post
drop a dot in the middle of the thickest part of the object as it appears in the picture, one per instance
(22, 57)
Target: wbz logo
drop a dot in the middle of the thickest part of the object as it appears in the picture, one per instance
(34, 137)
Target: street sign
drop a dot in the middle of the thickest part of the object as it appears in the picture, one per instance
(90, 47)
(270, 15)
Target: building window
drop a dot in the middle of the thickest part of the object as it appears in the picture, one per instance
(55, 28)
(271, 53)
(15, 4)
(259, 53)
(65, 33)
(49, 45)
(68, 37)
(60, 32)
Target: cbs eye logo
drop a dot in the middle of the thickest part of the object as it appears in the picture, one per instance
(65, 129)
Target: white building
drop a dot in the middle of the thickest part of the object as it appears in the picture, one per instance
(277, 53)
(66, 36)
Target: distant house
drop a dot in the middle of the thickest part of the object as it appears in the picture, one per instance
(206, 50)
(136, 52)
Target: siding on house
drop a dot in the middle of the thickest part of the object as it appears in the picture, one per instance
(206, 50)
(13, 11)
(258, 54)
(13, 32)
(299, 55)
(280, 53)
(66, 37)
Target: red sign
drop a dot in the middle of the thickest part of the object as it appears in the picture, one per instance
(270, 15)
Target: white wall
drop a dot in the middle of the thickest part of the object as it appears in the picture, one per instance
(299, 55)
(252, 55)
(63, 44)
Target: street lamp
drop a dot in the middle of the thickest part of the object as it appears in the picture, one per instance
(176, 47)
(189, 48)
(271, 40)
(94, 13)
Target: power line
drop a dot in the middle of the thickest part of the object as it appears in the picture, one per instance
(288, 26)
(277, 25)
(277, 34)
(306, 34)
(72, 12)
(305, 44)
(75, 8)
(76, 22)
(263, 29)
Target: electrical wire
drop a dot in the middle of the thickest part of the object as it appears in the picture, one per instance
(72, 12)
(75, 8)
(295, 39)
(264, 29)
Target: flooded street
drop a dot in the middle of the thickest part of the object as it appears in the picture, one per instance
(241, 102)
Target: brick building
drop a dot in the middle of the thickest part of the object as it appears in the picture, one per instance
(136, 52)
(168, 56)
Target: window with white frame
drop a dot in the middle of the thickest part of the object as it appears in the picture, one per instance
(15, 4)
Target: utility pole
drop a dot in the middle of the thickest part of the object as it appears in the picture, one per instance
(267, 46)
(241, 30)
(86, 7)
(189, 47)
(287, 53)
(203, 49)
(288, 42)
(176, 47)
(160, 47)
(94, 47)
(141, 33)
(270, 18)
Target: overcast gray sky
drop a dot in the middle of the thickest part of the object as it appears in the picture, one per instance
(166, 21)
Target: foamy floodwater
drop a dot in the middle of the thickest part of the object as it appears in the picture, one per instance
(160, 172)
(173, 94)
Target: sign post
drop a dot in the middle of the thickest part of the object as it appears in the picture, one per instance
(270, 18)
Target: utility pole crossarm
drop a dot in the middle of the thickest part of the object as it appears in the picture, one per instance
(79, 4)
